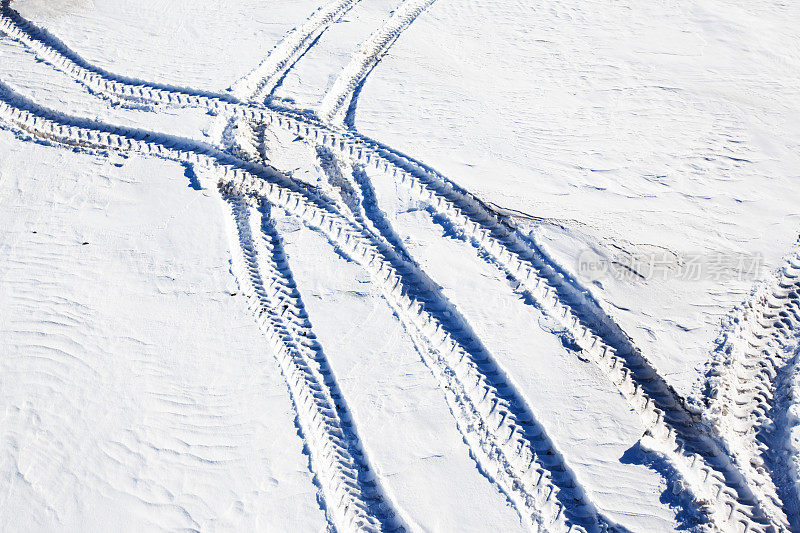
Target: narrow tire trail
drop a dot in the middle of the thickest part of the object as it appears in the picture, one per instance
(336, 100)
(260, 82)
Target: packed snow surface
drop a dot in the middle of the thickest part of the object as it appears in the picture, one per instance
(399, 265)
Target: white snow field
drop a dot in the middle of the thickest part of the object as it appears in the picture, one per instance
(399, 265)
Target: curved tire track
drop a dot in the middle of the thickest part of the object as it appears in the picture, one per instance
(260, 83)
(514, 452)
(368, 55)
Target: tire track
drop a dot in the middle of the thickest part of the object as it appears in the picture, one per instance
(706, 470)
(261, 82)
(101, 82)
(280, 313)
(748, 389)
(349, 195)
(719, 486)
(783, 437)
(347, 482)
(512, 450)
(368, 55)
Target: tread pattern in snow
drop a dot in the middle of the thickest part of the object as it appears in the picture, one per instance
(750, 388)
(351, 491)
(368, 55)
(720, 483)
(260, 83)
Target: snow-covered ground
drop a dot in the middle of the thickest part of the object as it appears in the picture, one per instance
(402, 265)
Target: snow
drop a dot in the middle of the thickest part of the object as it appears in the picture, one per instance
(309, 266)
(135, 393)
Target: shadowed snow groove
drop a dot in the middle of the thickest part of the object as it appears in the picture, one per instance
(369, 53)
(512, 450)
(353, 189)
(260, 83)
(750, 390)
(351, 492)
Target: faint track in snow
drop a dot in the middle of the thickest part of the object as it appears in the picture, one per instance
(716, 483)
(513, 451)
(353, 495)
(260, 83)
(750, 391)
(369, 53)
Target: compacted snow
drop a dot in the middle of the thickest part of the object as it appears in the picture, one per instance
(402, 265)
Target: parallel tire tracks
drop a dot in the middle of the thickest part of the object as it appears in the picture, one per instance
(366, 57)
(264, 275)
(260, 83)
(353, 495)
(718, 486)
(516, 454)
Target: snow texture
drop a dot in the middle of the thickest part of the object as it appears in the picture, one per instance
(380, 266)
